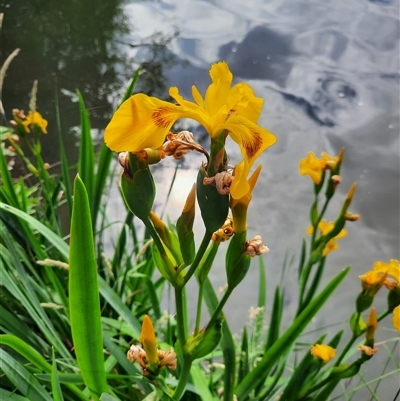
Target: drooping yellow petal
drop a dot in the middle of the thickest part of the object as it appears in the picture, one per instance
(396, 318)
(243, 102)
(140, 122)
(323, 351)
(148, 339)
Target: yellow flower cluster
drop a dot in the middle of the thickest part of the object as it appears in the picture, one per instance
(315, 167)
(325, 228)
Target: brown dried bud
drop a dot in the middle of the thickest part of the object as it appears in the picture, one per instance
(123, 159)
(46, 166)
(137, 354)
(225, 232)
(256, 246)
(177, 145)
(351, 216)
(390, 284)
(168, 359)
(222, 181)
(368, 350)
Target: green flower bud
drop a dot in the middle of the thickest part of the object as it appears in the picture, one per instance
(204, 342)
(164, 263)
(345, 371)
(137, 186)
(393, 299)
(213, 206)
(357, 324)
(363, 301)
(184, 228)
(237, 260)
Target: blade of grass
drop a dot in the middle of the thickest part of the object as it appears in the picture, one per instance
(55, 383)
(259, 373)
(86, 151)
(84, 300)
(31, 355)
(25, 382)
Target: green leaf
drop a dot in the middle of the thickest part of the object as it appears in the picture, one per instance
(25, 382)
(51, 236)
(244, 357)
(86, 151)
(84, 302)
(55, 383)
(200, 382)
(108, 397)
(116, 303)
(7, 396)
(275, 322)
(260, 372)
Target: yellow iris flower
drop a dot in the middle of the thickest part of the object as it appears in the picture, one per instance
(325, 228)
(314, 167)
(35, 118)
(323, 351)
(392, 269)
(143, 121)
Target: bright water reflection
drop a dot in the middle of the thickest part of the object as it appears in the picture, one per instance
(329, 73)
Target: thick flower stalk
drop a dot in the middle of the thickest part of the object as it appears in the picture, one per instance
(144, 122)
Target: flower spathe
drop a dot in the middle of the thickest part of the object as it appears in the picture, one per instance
(325, 228)
(143, 121)
(323, 351)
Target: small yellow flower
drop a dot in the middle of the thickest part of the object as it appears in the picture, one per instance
(372, 281)
(325, 228)
(314, 167)
(143, 121)
(323, 351)
(148, 339)
(392, 268)
(35, 118)
(396, 318)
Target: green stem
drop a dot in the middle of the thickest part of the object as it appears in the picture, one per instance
(180, 316)
(199, 255)
(198, 312)
(218, 310)
(354, 337)
(183, 377)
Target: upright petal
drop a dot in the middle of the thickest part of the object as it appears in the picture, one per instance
(140, 122)
(218, 91)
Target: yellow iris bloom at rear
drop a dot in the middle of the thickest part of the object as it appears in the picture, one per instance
(323, 351)
(35, 118)
(392, 269)
(143, 121)
(315, 167)
(325, 228)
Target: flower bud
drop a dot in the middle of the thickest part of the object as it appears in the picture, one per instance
(184, 228)
(137, 186)
(237, 260)
(213, 206)
(204, 342)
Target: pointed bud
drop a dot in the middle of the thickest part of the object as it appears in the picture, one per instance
(372, 325)
(184, 228)
(148, 339)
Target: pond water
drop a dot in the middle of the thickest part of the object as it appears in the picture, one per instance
(328, 71)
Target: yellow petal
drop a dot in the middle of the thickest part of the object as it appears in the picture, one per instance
(324, 352)
(392, 268)
(313, 167)
(243, 102)
(217, 93)
(140, 122)
(148, 339)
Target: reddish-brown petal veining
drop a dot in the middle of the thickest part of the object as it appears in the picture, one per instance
(162, 116)
(252, 146)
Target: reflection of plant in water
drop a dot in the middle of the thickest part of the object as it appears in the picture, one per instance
(70, 45)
